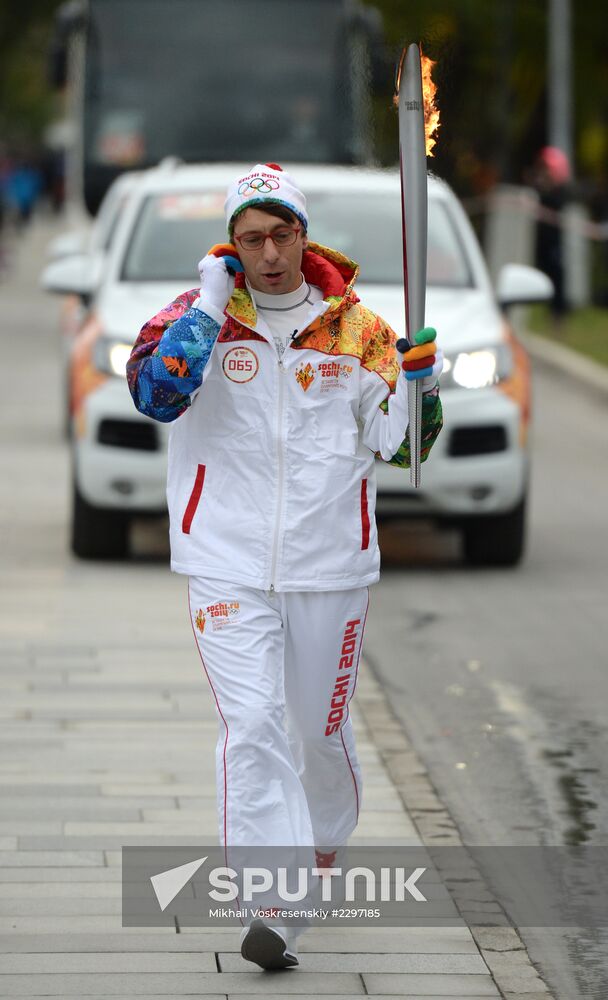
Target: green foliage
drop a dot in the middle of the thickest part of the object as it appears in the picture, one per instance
(491, 74)
(584, 330)
(26, 101)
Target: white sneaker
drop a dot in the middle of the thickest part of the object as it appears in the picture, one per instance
(267, 946)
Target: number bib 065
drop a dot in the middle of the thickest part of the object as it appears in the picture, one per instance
(240, 364)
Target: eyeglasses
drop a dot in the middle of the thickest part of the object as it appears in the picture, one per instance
(280, 237)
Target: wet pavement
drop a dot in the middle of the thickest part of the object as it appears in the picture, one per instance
(502, 679)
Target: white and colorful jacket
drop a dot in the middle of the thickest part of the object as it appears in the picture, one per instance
(271, 479)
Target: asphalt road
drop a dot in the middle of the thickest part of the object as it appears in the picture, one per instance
(500, 678)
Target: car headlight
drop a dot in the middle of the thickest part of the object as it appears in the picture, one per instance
(477, 369)
(111, 355)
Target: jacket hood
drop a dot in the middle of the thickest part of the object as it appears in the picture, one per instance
(329, 269)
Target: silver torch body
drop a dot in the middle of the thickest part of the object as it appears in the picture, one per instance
(414, 198)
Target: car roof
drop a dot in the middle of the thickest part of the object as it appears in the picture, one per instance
(172, 177)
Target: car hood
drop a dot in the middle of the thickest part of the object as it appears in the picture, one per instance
(465, 318)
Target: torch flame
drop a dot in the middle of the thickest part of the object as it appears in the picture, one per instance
(429, 90)
(431, 111)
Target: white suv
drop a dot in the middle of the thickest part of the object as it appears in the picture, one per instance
(476, 476)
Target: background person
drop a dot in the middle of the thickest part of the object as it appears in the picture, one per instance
(550, 176)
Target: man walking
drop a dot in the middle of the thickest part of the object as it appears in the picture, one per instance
(283, 390)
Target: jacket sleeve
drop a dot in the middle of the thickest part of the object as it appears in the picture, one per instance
(169, 357)
(383, 400)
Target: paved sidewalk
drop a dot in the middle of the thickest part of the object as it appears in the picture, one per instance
(107, 738)
(109, 741)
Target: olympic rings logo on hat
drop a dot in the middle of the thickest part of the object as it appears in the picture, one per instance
(258, 185)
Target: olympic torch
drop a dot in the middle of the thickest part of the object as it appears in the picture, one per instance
(412, 160)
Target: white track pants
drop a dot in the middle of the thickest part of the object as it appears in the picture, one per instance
(282, 668)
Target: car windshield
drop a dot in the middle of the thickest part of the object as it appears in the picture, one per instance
(174, 231)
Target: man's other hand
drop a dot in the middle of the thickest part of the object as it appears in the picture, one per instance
(424, 360)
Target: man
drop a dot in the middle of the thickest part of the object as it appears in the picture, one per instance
(283, 389)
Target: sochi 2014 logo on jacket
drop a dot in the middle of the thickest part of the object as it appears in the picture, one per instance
(240, 364)
(333, 375)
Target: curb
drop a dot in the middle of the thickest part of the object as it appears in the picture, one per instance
(565, 361)
(500, 945)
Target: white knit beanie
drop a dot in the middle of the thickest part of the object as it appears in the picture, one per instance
(264, 184)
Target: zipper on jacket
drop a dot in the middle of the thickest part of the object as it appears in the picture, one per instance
(280, 459)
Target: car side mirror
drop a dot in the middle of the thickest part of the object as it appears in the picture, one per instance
(79, 274)
(520, 285)
(66, 244)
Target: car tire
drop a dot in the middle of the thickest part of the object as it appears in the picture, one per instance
(98, 533)
(496, 540)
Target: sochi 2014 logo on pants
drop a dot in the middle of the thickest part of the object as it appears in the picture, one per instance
(240, 364)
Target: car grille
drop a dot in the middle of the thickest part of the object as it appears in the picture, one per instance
(128, 434)
(477, 440)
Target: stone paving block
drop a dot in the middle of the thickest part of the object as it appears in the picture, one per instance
(153, 714)
(133, 984)
(192, 801)
(14, 730)
(134, 961)
(301, 996)
(385, 824)
(111, 844)
(200, 827)
(88, 753)
(18, 825)
(76, 776)
(360, 962)
(539, 995)
(142, 728)
(182, 791)
(498, 938)
(63, 651)
(79, 705)
(68, 925)
(62, 907)
(162, 939)
(290, 983)
(66, 807)
(514, 972)
(386, 940)
(62, 875)
(355, 940)
(50, 858)
(7, 844)
(26, 791)
(191, 816)
(397, 984)
(56, 890)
